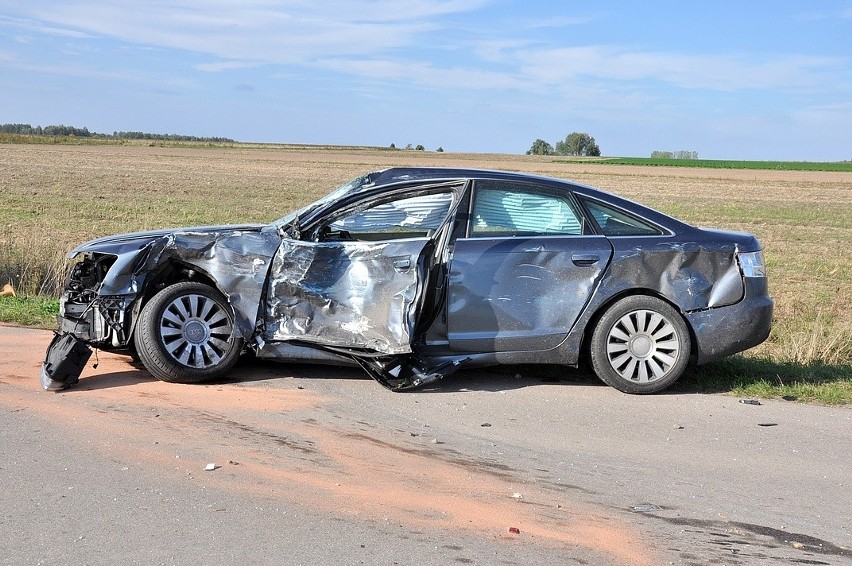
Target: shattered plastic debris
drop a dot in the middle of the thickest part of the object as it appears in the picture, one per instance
(749, 401)
(64, 362)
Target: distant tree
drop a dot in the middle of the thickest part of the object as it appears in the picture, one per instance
(540, 147)
(577, 143)
(393, 146)
(440, 150)
(681, 154)
(409, 146)
(419, 147)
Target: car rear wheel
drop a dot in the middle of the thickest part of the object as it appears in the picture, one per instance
(640, 345)
(185, 334)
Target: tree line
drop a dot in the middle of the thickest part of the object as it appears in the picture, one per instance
(682, 154)
(575, 143)
(62, 130)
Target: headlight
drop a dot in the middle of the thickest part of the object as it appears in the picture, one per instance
(752, 264)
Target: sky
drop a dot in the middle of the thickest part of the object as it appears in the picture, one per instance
(750, 80)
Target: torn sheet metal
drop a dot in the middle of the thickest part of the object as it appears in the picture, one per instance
(404, 373)
(355, 294)
(694, 276)
(237, 260)
(114, 272)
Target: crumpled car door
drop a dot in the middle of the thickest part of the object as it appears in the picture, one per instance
(359, 290)
(355, 295)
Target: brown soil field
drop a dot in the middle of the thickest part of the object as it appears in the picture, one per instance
(56, 196)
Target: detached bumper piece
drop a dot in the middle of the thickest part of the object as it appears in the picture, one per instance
(64, 362)
(405, 373)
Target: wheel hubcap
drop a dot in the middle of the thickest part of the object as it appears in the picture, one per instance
(195, 330)
(642, 346)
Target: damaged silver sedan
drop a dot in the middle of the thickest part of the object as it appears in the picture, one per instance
(412, 273)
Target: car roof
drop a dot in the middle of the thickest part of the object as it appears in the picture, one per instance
(395, 175)
(401, 174)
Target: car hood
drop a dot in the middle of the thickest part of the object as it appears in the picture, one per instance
(131, 241)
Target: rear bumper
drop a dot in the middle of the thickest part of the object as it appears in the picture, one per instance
(723, 331)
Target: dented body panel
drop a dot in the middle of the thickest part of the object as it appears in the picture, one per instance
(522, 293)
(412, 273)
(361, 295)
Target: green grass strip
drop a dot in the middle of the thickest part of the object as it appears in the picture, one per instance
(837, 166)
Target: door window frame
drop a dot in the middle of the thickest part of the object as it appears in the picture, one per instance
(586, 228)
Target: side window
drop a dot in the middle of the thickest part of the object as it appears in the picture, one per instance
(516, 209)
(411, 217)
(614, 222)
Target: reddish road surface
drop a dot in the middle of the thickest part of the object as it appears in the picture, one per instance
(318, 465)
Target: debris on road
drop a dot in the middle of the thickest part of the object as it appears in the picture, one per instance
(749, 401)
(210, 467)
(645, 508)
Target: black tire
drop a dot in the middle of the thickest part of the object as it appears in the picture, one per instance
(185, 334)
(640, 345)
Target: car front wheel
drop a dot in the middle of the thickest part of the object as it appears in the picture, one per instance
(185, 334)
(640, 345)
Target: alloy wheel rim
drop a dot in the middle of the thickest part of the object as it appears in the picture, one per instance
(195, 330)
(642, 346)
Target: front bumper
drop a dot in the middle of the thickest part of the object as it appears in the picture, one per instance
(104, 322)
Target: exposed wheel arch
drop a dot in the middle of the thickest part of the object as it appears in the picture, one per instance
(186, 334)
(602, 308)
(169, 273)
(641, 344)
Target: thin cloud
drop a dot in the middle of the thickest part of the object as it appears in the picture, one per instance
(424, 74)
(714, 72)
(562, 22)
(36, 27)
(256, 30)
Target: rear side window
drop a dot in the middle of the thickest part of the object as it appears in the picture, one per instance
(615, 222)
(515, 209)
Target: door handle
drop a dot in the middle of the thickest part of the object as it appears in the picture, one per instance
(581, 260)
(402, 264)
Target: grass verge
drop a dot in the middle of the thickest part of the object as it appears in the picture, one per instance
(39, 312)
(763, 378)
(837, 166)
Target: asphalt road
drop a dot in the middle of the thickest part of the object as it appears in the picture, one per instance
(320, 465)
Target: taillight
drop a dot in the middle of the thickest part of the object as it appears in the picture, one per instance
(752, 264)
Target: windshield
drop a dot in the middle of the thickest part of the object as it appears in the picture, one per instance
(352, 186)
